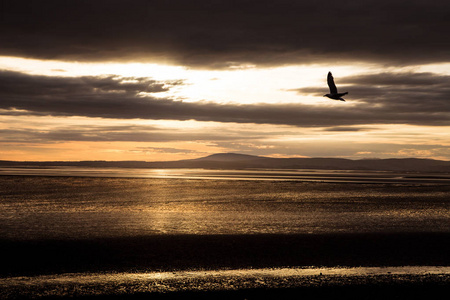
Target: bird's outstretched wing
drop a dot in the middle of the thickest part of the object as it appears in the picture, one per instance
(331, 85)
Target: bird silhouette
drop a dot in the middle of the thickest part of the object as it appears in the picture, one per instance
(333, 89)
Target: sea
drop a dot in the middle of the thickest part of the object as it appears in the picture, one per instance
(93, 231)
(90, 202)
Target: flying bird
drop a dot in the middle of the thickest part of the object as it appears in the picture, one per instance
(333, 89)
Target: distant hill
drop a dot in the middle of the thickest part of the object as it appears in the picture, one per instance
(243, 161)
(230, 157)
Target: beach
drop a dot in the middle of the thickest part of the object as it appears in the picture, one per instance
(81, 226)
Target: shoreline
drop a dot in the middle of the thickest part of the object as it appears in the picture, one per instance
(340, 283)
(300, 175)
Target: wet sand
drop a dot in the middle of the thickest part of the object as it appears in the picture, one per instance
(243, 283)
(43, 208)
(59, 226)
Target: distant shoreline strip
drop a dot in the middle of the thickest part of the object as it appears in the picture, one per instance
(318, 176)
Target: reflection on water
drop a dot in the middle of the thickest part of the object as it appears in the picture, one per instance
(278, 175)
(34, 207)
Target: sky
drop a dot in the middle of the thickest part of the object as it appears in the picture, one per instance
(168, 80)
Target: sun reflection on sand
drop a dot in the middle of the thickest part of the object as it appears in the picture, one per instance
(207, 280)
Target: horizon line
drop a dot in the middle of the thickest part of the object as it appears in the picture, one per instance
(226, 153)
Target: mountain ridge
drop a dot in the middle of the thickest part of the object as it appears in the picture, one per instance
(245, 161)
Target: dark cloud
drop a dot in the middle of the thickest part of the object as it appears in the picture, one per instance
(400, 93)
(124, 133)
(19, 84)
(335, 148)
(221, 33)
(121, 98)
(344, 128)
(150, 150)
(406, 79)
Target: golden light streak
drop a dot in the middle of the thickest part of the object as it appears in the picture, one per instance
(243, 86)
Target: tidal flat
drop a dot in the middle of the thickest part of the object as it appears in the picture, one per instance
(59, 225)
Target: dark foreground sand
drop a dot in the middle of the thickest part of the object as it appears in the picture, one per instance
(390, 286)
(194, 252)
(184, 252)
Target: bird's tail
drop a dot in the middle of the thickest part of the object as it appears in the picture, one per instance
(345, 93)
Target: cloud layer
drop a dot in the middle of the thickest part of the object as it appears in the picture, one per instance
(227, 33)
(398, 94)
(405, 98)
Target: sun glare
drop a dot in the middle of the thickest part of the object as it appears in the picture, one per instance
(240, 86)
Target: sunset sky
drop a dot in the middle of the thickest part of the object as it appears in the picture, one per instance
(169, 80)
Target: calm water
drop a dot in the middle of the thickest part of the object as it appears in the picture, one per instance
(36, 207)
(267, 175)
